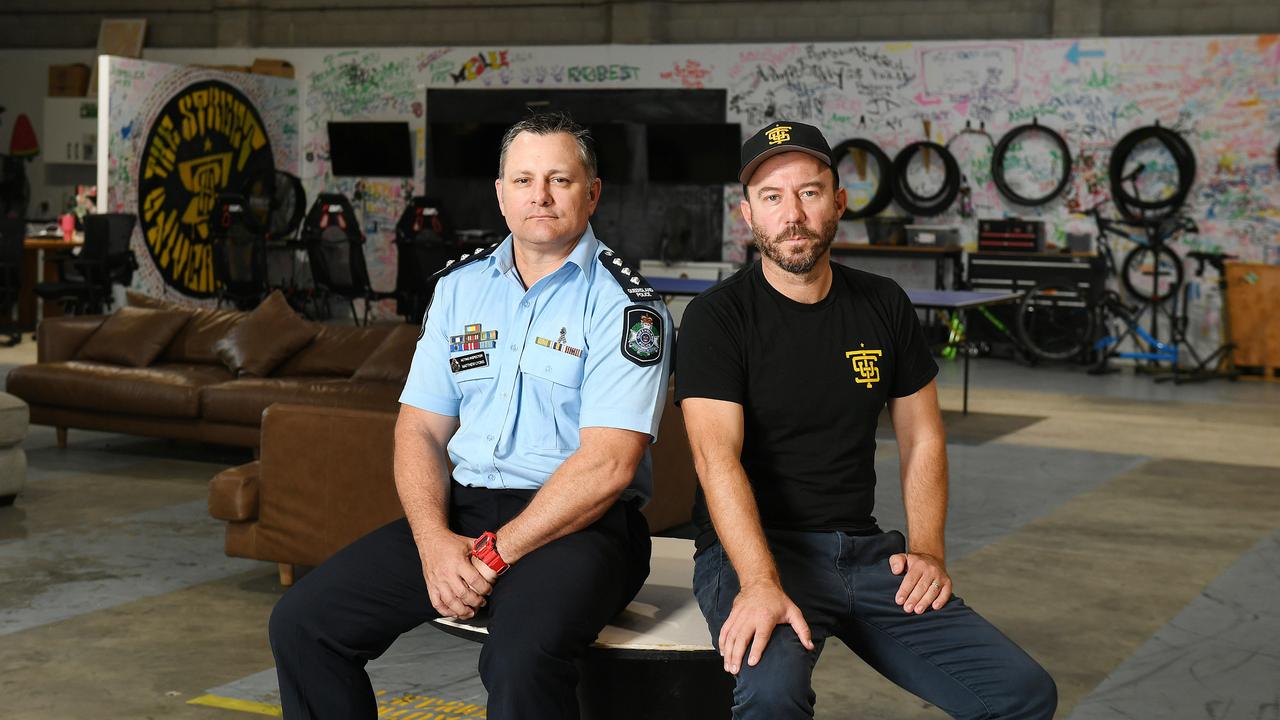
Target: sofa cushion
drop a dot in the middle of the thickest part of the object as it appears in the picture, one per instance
(165, 390)
(391, 360)
(133, 336)
(195, 342)
(337, 350)
(137, 299)
(242, 401)
(266, 338)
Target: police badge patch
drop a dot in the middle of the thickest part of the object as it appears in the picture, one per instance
(642, 335)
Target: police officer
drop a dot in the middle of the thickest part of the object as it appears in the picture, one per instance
(542, 368)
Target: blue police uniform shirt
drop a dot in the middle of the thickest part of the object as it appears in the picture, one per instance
(524, 370)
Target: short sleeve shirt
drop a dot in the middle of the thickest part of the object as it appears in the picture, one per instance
(812, 380)
(525, 370)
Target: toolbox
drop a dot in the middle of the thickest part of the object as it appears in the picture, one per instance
(1010, 235)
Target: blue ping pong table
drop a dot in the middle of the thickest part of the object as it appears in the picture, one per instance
(960, 301)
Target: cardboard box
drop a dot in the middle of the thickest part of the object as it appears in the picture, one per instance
(68, 80)
(278, 68)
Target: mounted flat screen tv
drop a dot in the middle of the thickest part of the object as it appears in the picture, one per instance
(693, 154)
(464, 150)
(370, 149)
(470, 150)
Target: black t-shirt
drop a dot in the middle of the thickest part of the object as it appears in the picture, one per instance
(812, 380)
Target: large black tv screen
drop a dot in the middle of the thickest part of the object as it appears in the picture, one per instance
(471, 150)
(693, 154)
(370, 149)
(464, 150)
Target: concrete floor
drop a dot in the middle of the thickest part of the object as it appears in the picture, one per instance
(1127, 534)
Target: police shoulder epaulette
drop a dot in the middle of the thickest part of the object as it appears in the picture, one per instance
(465, 260)
(632, 282)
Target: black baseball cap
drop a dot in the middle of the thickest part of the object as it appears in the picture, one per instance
(779, 137)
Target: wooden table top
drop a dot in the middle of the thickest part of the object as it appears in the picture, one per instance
(52, 243)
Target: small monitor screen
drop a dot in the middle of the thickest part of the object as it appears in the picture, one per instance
(464, 150)
(695, 154)
(370, 149)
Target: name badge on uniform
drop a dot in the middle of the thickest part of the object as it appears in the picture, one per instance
(469, 362)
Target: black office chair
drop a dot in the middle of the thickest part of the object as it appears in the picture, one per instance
(335, 250)
(239, 253)
(84, 287)
(12, 234)
(424, 243)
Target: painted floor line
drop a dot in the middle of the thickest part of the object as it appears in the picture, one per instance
(248, 706)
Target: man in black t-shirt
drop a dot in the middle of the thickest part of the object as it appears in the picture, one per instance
(782, 372)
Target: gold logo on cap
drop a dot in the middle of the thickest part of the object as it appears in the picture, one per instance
(779, 135)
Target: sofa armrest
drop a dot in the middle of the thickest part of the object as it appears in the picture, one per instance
(326, 479)
(233, 493)
(60, 338)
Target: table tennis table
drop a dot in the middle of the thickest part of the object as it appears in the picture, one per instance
(960, 301)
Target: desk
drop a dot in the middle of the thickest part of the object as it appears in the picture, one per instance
(679, 286)
(35, 269)
(939, 255)
(960, 301)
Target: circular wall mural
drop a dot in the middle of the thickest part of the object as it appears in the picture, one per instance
(207, 138)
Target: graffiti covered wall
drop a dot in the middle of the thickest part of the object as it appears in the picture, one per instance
(1222, 93)
(176, 137)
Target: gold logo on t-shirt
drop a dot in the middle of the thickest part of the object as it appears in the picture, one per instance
(865, 369)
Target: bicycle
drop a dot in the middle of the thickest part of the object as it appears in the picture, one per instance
(1150, 259)
(1058, 322)
(958, 340)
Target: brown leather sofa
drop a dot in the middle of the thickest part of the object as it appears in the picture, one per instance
(325, 478)
(207, 375)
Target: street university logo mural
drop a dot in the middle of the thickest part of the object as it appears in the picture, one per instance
(208, 138)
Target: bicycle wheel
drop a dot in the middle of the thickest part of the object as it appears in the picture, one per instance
(883, 195)
(914, 202)
(1138, 273)
(1055, 321)
(998, 165)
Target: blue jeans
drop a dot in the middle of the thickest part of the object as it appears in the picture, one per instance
(952, 657)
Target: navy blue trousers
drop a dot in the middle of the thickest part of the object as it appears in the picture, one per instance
(543, 612)
(952, 657)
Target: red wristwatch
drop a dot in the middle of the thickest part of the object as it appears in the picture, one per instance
(485, 549)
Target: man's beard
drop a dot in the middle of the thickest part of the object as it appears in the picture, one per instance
(797, 263)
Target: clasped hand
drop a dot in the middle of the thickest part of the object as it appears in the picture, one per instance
(456, 582)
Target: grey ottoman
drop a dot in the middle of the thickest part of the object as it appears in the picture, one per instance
(13, 459)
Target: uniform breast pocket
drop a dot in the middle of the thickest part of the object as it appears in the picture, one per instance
(475, 383)
(553, 384)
